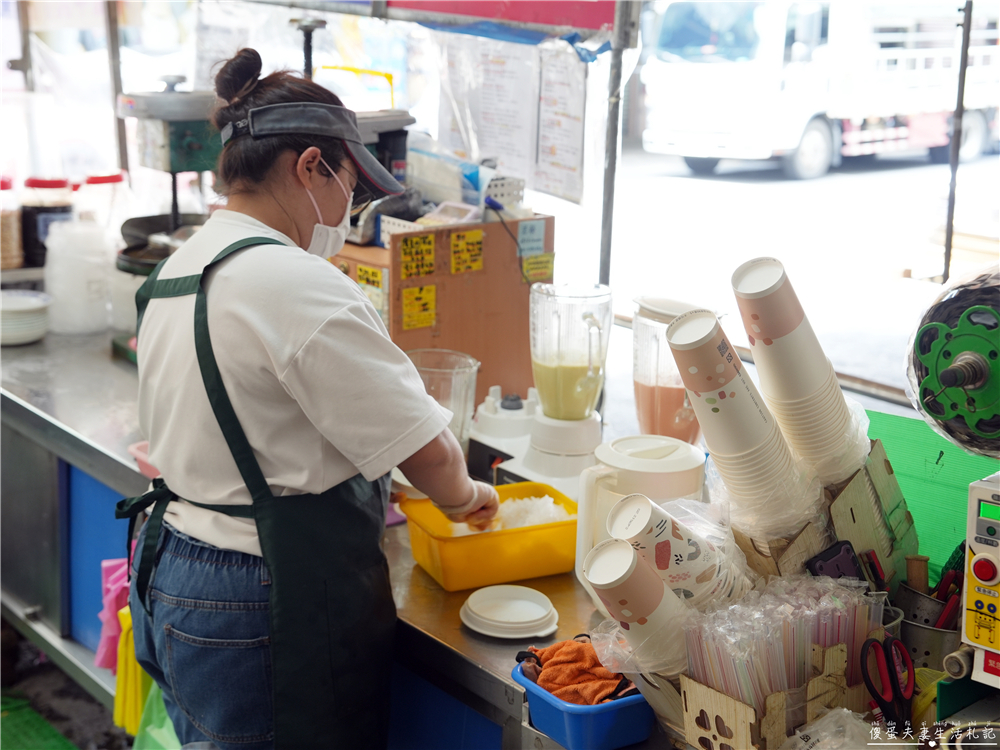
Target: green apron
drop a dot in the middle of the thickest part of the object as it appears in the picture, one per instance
(332, 615)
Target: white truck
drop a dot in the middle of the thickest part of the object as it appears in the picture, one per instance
(814, 82)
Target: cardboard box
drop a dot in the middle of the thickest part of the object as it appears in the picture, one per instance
(463, 287)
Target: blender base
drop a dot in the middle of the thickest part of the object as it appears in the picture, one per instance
(558, 452)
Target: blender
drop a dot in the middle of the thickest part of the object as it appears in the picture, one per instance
(570, 328)
(661, 400)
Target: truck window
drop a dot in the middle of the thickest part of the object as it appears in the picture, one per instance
(708, 32)
(808, 25)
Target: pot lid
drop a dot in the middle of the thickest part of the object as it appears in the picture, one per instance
(656, 454)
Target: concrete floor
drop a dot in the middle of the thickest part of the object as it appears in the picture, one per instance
(64, 704)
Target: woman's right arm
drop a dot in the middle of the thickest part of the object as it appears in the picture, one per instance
(438, 470)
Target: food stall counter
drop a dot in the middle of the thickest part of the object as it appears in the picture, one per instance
(69, 406)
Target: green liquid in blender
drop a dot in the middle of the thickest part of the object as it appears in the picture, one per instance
(566, 391)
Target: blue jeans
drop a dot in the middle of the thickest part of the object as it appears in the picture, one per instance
(207, 641)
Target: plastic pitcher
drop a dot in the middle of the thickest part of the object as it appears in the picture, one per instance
(661, 401)
(570, 327)
(450, 379)
(661, 468)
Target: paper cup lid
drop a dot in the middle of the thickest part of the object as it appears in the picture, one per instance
(692, 329)
(758, 278)
(609, 563)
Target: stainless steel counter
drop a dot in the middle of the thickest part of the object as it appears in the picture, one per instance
(70, 397)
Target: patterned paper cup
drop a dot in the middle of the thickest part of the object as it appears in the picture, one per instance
(732, 414)
(689, 564)
(631, 590)
(790, 362)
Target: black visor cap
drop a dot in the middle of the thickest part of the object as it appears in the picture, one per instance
(324, 120)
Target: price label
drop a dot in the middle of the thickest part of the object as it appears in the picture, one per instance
(417, 256)
(419, 307)
(539, 267)
(368, 276)
(467, 251)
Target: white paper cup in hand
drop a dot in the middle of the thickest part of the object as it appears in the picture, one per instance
(732, 414)
(631, 590)
(788, 356)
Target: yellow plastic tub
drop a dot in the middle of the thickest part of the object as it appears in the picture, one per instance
(466, 562)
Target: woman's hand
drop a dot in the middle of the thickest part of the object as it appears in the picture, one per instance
(482, 517)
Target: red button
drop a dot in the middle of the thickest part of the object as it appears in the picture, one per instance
(984, 570)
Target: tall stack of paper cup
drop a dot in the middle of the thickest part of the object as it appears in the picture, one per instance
(762, 478)
(692, 567)
(798, 381)
(638, 598)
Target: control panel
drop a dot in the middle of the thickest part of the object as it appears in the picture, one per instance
(981, 613)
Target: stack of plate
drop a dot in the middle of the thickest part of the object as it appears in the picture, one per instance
(24, 316)
(510, 612)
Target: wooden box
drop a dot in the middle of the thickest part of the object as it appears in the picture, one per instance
(715, 721)
(461, 287)
(852, 513)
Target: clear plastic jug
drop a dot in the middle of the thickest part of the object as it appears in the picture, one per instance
(450, 379)
(660, 398)
(570, 327)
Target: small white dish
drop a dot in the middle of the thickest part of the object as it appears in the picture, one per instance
(23, 300)
(510, 612)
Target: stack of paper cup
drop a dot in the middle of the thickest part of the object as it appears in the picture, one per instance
(745, 441)
(632, 592)
(692, 567)
(798, 381)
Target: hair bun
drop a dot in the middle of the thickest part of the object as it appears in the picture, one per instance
(239, 75)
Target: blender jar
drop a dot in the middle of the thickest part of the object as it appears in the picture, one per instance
(660, 398)
(450, 379)
(44, 202)
(570, 328)
(11, 251)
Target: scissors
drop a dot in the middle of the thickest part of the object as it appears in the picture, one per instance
(892, 662)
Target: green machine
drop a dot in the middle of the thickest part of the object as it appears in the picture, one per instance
(174, 133)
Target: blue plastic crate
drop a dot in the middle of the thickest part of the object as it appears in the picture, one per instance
(605, 726)
(94, 535)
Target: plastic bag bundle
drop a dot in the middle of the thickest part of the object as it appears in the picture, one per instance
(800, 495)
(763, 644)
(837, 729)
(731, 579)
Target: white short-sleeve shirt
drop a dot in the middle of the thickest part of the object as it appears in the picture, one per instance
(321, 391)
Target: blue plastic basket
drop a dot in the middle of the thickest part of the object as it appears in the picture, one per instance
(605, 726)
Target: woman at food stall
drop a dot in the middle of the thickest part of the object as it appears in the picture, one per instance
(275, 405)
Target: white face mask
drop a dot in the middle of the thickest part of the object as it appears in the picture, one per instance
(327, 241)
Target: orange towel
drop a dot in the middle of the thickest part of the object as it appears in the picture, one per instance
(571, 671)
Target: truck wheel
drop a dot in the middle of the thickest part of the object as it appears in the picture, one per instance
(700, 165)
(974, 137)
(814, 155)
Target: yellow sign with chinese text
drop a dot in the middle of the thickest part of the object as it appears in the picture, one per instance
(419, 307)
(467, 251)
(416, 256)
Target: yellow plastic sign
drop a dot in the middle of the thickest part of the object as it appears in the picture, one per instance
(417, 256)
(538, 267)
(419, 307)
(467, 251)
(370, 276)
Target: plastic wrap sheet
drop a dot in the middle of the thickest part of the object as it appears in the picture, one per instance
(763, 644)
(979, 288)
(837, 729)
(710, 522)
(663, 653)
(782, 513)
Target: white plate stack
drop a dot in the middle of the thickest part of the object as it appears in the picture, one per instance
(24, 316)
(510, 612)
